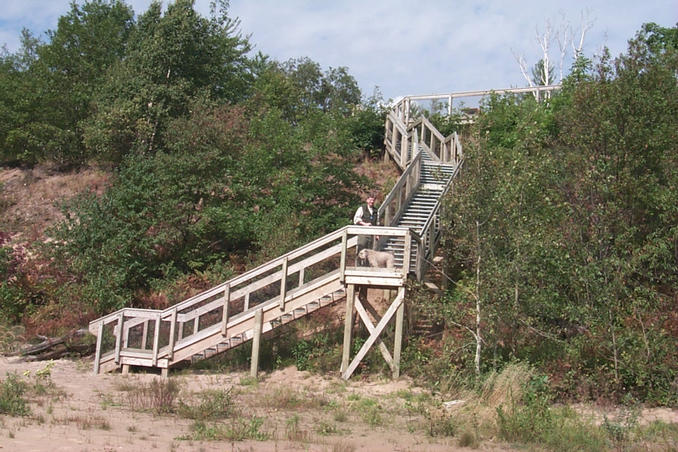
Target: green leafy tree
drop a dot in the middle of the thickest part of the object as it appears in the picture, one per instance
(563, 226)
(171, 58)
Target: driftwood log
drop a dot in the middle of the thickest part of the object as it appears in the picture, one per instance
(76, 343)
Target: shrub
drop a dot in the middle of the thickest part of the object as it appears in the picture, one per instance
(12, 400)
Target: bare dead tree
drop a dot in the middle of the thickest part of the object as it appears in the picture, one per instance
(563, 34)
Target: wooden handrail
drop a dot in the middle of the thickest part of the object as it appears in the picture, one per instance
(314, 252)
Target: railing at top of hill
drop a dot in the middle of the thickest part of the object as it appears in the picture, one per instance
(404, 133)
(403, 107)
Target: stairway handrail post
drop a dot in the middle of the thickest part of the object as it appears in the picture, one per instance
(225, 312)
(97, 352)
(407, 252)
(283, 283)
(173, 325)
(156, 339)
(118, 337)
(342, 260)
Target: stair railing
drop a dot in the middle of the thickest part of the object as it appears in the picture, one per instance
(398, 140)
(428, 238)
(162, 336)
(394, 204)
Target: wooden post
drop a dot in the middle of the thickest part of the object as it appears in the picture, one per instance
(374, 335)
(256, 342)
(144, 336)
(342, 262)
(398, 342)
(348, 327)
(224, 316)
(97, 354)
(173, 326)
(118, 336)
(156, 340)
(301, 276)
(196, 324)
(283, 284)
(247, 301)
(407, 252)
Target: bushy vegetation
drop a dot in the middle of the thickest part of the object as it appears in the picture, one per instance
(561, 234)
(221, 159)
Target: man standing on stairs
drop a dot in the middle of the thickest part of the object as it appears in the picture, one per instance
(366, 215)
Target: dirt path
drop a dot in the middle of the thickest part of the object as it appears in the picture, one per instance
(92, 414)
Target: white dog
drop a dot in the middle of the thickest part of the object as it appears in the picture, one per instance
(377, 258)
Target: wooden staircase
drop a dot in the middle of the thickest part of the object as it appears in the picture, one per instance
(301, 281)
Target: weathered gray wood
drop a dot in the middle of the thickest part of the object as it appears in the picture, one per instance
(398, 341)
(97, 353)
(348, 327)
(226, 302)
(173, 326)
(342, 259)
(362, 312)
(283, 283)
(375, 335)
(118, 336)
(144, 335)
(156, 339)
(256, 342)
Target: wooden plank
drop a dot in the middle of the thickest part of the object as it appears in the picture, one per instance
(342, 260)
(348, 328)
(141, 362)
(370, 328)
(173, 325)
(375, 335)
(376, 281)
(398, 342)
(156, 339)
(97, 353)
(226, 301)
(260, 283)
(144, 335)
(283, 283)
(256, 342)
(242, 322)
(118, 336)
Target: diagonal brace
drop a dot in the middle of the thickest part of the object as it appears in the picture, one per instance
(375, 333)
(370, 328)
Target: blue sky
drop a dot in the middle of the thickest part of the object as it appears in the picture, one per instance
(405, 47)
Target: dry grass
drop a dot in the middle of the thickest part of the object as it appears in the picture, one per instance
(31, 196)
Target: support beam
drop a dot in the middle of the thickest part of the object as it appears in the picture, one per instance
(348, 327)
(398, 342)
(256, 342)
(375, 334)
(97, 354)
(362, 312)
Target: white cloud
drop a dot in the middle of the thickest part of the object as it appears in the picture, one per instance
(404, 47)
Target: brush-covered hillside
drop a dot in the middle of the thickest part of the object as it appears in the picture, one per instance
(149, 157)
